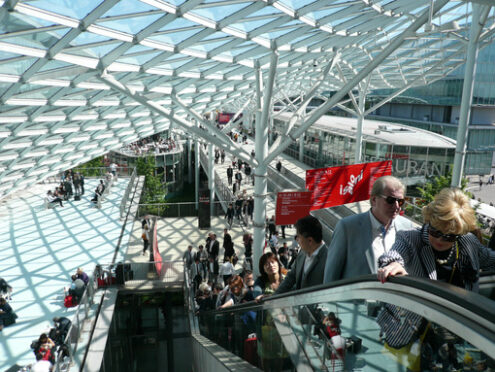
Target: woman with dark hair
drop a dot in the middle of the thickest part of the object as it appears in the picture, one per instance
(45, 346)
(231, 294)
(270, 275)
(270, 347)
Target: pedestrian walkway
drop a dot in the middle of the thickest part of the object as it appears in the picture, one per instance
(40, 249)
(485, 193)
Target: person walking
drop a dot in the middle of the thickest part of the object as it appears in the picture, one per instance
(146, 238)
(230, 173)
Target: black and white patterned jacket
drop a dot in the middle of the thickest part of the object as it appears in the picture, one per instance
(413, 251)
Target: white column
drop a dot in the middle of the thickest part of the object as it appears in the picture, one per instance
(260, 188)
(211, 177)
(467, 96)
(196, 171)
(359, 131)
(301, 148)
(261, 151)
(189, 161)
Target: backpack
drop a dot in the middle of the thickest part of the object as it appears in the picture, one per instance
(69, 301)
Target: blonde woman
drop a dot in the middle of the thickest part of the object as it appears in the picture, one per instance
(444, 248)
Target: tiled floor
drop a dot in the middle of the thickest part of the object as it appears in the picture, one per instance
(40, 249)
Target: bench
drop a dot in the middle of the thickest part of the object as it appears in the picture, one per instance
(49, 205)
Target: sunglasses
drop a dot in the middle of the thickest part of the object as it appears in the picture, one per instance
(391, 200)
(445, 237)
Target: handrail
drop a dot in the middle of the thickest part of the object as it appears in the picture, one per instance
(125, 197)
(471, 301)
(469, 314)
(465, 314)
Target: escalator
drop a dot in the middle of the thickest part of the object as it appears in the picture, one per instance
(286, 332)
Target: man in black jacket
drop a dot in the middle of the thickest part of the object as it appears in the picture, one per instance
(212, 246)
(228, 245)
(230, 173)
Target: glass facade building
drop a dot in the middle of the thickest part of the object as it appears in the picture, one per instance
(335, 145)
(436, 106)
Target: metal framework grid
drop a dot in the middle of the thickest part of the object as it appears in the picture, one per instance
(80, 78)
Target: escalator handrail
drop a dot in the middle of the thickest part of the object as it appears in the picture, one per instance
(471, 301)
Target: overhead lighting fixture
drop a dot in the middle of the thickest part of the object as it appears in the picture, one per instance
(7, 156)
(23, 165)
(33, 132)
(66, 130)
(17, 145)
(50, 141)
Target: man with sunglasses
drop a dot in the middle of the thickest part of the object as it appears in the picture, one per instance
(359, 240)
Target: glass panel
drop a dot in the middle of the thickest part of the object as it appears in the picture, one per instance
(251, 335)
(344, 335)
(73, 9)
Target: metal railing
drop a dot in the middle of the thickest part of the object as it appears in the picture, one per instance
(145, 151)
(127, 193)
(73, 335)
(185, 209)
(94, 172)
(171, 272)
(124, 273)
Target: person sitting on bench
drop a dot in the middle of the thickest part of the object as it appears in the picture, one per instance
(59, 333)
(51, 199)
(82, 275)
(76, 289)
(98, 191)
(5, 289)
(7, 315)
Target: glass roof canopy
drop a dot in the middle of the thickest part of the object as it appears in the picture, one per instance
(78, 79)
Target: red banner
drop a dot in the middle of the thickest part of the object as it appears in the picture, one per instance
(224, 118)
(346, 184)
(292, 206)
(156, 253)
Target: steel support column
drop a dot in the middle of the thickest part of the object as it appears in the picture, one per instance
(359, 130)
(197, 167)
(301, 148)
(261, 150)
(189, 160)
(211, 177)
(467, 93)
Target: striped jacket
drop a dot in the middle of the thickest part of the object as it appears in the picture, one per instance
(413, 251)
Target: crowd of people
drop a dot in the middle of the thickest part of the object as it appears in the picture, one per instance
(72, 186)
(49, 345)
(379, 241)
(151, 145)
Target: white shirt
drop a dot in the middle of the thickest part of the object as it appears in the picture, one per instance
(308, 260)
(274, 241)
(226, 269)
(382, 240)
(41, 366)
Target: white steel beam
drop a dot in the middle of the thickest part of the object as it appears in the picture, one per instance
(359, 131)
(214, 131)
(242, 154)
(365, 71)
(231, 124)
(479, 16)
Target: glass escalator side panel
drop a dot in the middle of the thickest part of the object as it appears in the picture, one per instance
(363, 335)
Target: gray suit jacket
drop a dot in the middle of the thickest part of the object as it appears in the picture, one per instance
(350, 253)
(295, 279)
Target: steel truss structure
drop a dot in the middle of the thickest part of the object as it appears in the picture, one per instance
(80, 78)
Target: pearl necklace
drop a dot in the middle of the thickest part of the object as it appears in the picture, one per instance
(443, 262)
